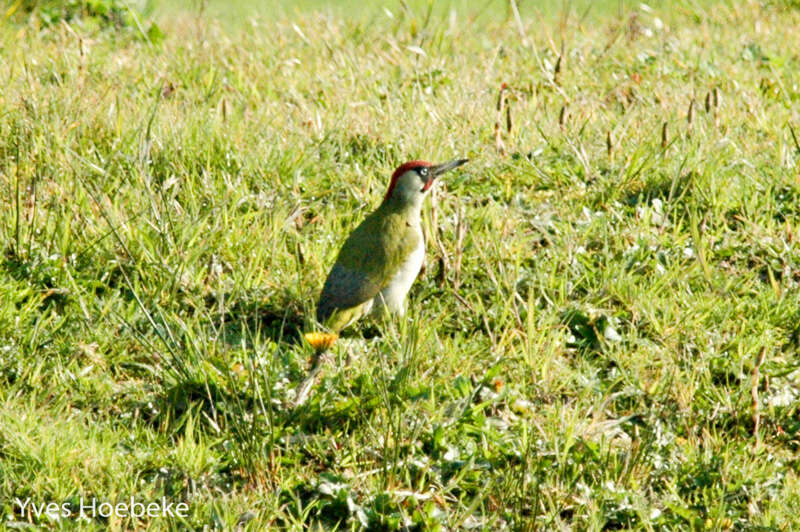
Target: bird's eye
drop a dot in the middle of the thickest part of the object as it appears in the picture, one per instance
(423, 171)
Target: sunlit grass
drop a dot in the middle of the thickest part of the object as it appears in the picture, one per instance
(611, 283)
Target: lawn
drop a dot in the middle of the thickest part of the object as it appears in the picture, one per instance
(605, 334)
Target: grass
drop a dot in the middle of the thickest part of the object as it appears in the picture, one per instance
(605, 335)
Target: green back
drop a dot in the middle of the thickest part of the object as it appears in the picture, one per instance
(368, 260)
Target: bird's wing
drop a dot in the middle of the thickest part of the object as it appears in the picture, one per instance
(357, 276)
(366, 263)
(345, 288)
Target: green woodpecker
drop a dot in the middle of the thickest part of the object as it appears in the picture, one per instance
(380, 260)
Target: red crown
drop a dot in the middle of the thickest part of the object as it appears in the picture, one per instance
(402, 169)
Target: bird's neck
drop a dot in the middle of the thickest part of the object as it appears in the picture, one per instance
(409, 209)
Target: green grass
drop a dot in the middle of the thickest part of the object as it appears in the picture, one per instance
(236, 13)
(582, 351)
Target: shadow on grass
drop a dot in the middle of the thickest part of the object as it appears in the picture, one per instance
(345, 411)
(279, 318)
(661, 187)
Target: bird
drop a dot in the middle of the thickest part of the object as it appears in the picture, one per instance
(382, 257)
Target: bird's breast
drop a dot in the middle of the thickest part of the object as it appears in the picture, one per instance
(394, 293)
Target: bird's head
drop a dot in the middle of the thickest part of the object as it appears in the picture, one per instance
(412, 180)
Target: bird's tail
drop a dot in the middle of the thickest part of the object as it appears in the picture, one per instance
(321, 341)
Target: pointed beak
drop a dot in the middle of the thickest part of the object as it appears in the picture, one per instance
(438, 169)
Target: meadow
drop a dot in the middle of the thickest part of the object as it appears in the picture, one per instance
(606, 331)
